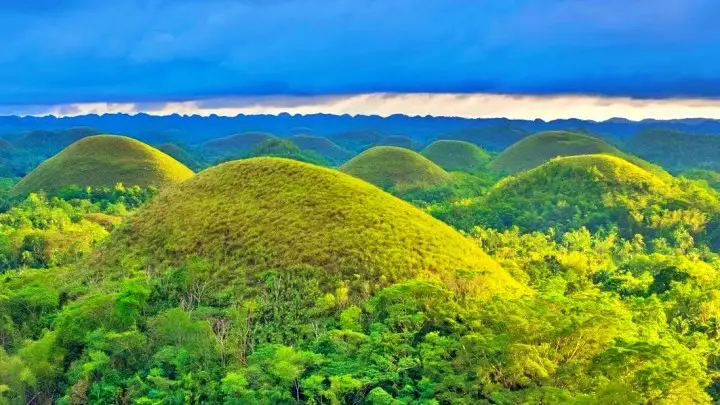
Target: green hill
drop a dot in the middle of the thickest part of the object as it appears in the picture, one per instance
(541, 147)
(391, 167)
(103, 161)
(400, 141)
(236, 145)
(456, 155)
(677, 150)
(595, 191)
(182, 155)
(357, 140)
(493, 138)
(279, 213)
(322, 146)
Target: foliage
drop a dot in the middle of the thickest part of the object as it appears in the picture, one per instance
(324, 147)
(457, 155)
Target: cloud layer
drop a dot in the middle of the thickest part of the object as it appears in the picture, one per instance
(129, 51)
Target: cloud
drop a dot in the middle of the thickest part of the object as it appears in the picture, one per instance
(385, 104)
(131, 51)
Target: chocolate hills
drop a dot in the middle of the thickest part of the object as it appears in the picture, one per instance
(456, 155)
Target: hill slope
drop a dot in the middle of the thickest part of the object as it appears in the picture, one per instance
(271, 212)
(541, 147)
(322, 146)
(456, 155)
(398, 168)
(238, 144)
(103, 161)
(400, 141)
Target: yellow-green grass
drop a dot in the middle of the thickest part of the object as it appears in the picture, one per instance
(457, 155)
(238, 144)
(322, 146)
(181, 155)
(104, 161)
(539, 148)
(400, 141)
(392, 167)
(279, 213)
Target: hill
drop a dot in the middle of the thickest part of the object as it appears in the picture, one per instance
(400, 141)
(541, 147)
(322, 146)
(493, 137)
(456, 155)
(236, 145)
(677, 150)
(357, 140)
(103, 161)
(182, 155)
(390, 167)
(279, 213)
(594, 191)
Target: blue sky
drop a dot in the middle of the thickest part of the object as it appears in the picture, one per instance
(57, 52)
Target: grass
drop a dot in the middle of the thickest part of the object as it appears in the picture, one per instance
(400, 141)
(279, 213)
(539, 148)
(181, 155)
(238, 144)
(457, 155)
(357, 140)
(103, 161)
(391, 167)
(322, 146)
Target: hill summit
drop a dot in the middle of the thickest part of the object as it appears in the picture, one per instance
(278, 213)
(392, 167)
(539, 148)
(103, 161)
(456, 155)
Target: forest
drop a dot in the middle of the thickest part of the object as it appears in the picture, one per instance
(493, 265)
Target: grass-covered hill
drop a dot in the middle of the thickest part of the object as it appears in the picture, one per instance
(494, 138)
(182, 155)
(391, 167)
(324, 147)
(357, 141)
(456, 155)
(541, 147)
(400, 141)
(103, 161)
(677, 150)
(236, 145)
(279, 213)
(595, 191)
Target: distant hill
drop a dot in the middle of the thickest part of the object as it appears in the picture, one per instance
(391, 167)
(103, 161)
(595, 191)
(456, 155)
(324, 147)
(494, 137)
(539, 148)
(357, 140)
(677, 150)
(278, 213)
(182, 155)
(400, 141)
(236, 145)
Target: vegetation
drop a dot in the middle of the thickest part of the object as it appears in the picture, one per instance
(493, 138)
(541, 147)
(357, 141)
(284, 148)
(677, 150)
(456, 155)
(586, 280)
(709, 177)
(183, 155)
(390, 167)
(324, 147)
(104, 161)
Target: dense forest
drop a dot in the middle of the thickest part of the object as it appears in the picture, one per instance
(553, 265)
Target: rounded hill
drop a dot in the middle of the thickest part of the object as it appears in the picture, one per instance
(238, 144)
(539, 148)
(322, 146)
(400, 141)
(456, 155)
(103, 161)
(181, 154)
(391, 167)
(279, 213)
(593, 191)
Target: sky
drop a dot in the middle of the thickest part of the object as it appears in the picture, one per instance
(593, 59)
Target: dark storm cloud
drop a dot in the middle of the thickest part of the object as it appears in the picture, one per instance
(160, 50)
